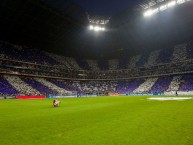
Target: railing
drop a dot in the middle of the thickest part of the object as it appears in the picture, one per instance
(26, 69)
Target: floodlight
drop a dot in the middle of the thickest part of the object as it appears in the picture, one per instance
(180, 1)
(151, 12)
(160, 1)
(172, 3)
(155, 10)
(148, 13)
(97, 28)
(163, 7)
(91, 27)
(103, 29)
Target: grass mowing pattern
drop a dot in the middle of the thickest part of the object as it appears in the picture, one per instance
(96, 121)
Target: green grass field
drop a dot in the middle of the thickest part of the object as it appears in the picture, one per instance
(96, 121)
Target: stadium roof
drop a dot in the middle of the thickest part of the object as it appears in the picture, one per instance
(106, 7)
(62, 27)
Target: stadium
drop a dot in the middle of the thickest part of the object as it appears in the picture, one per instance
(121, 72)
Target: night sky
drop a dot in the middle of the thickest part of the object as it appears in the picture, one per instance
(105, 7)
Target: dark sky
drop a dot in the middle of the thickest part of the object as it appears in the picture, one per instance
(105, 7)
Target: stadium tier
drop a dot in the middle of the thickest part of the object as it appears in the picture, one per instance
(161, 85)
(27, 71)
(186, 84)
(15, 85)
(178, 53)
(40, 87)
(6, 88)
(129, 86)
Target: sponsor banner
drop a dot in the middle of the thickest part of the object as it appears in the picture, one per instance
(7, 97)
(170, 93)
(157, 93)
(140, 94)
(185, 93)
(70, 96)
(114, 94)
(179, 93)
(31, 97)
(88, 95)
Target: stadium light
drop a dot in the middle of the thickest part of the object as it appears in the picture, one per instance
(103, 29)
(91, 27)
(155, 10)
(151, 12)
(171, 4)
(97, 23)
(180, 1)
(163, 7)
(96, 28)
(148, 13)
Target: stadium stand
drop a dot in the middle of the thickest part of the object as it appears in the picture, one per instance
(61, 59)
(44, 90)
(180, 53)
(133, 61)
(142, 61)
(83, 64)
(113, 64)
(146, 86)
(21, 86)
(103, 64)
(65, 75)
(189, 48)
(52, 86)
(13, 85)
(186, 84)
(175, 84)
(73, 63)
(63, 84)
(161, 85)
(127, 87)
(165, 55)
(16, 52)
(95, 87)
(6, 88)
(123, 63)
(93, 64)
(152, 59)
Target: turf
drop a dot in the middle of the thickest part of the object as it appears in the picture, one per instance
(96, 121)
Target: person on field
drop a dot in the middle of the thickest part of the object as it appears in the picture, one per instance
(56, 102)
(176, 93)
